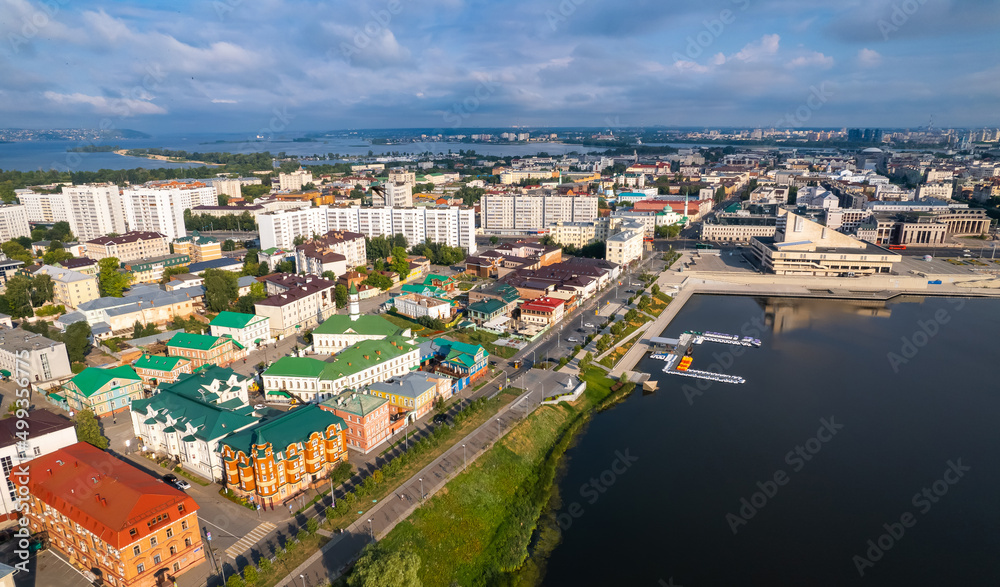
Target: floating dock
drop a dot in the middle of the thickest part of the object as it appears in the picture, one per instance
(678, 360)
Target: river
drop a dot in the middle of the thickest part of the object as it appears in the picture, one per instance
(858, 421)
(30, 155)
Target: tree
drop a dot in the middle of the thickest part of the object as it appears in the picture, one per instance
(88, 429)
(378, 280)
(17, 298)
(257, 291)
(245, 304)
(77, 339)
(299, 240)
(229, 245)
(252, 192)
(399, 263)
(56, 254)
(494, 240)
(661, 231)
(171, 271)
(379, 567)
(60, 231)
(285, 267)
(140, 330)
(110, 280)
(340, 295)
(792, 194)
(7, 193)
(17, 252)
(221, 289)
(250, 574)
(720, 194)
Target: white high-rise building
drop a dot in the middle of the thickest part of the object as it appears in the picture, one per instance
(13, 222)
(160, 208)
(95, 210)
(293, 182)
(450, 225)
(45, 208)
(530, 212)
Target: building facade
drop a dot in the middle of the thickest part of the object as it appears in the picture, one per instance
(249, 330)
(131, 246)
(198, 248)
(367, 418)
(155, 370)
(204, 349)
(626, 246)
(102, 391)
(71, 288)
(296, 303)
(104, 515)
(42, 361)
(13, 222)
(282, 457)
(47, 432)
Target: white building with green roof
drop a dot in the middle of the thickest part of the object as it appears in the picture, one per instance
(310, 380)
(103, 391)
(250, 330)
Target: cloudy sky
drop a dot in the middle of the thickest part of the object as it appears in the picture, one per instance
(243, 65)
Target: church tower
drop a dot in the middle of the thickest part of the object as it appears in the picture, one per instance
(354, 302)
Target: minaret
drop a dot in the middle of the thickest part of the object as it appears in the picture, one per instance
(355, 302)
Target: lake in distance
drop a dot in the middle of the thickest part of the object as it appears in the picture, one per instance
(652, 490)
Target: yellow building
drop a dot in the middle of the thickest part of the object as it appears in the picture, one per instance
(71, 288)
(198, 248)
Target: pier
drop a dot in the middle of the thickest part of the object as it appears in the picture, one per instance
(680, 358)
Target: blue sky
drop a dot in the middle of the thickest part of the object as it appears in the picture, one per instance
(247, 65)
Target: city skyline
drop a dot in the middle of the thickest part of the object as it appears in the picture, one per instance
(227, 66)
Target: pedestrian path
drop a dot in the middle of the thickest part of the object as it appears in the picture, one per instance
(250, 539)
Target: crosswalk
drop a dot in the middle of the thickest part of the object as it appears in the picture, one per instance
(250, 539)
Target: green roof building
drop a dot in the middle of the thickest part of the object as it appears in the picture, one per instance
(103, 391)
(309, 379)
(340, 331)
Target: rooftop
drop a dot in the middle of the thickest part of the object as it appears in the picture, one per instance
(293, 426)
(128, 237)
(365, 324)
(106, 496)
(208, 420)
(39, 422)
(16, 339)
(198, 342)
(158, 363)
(234, 319)
(92, 379)
(63, 275)
(356, 404)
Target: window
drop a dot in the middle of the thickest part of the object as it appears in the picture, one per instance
(152, 541)
(173, 550)
(177, 567)
(132, 532)
(156, 559)
(140, 568)
(136, 550)
(170, 532)
(187, 542)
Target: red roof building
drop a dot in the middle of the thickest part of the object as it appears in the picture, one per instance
(123, 525)
(543, 311)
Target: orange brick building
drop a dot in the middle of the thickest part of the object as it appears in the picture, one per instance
(202, 349)
(275, 460)
(108, 518)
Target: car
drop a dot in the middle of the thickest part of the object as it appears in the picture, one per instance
(170, 478)
(260, 407)
(629, 291)
(588, 325)
(182, 485)
(572, 339)
(440, 418)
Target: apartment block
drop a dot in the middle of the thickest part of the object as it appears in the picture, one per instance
(534, 212)
(293, 182)
(48, 432)
(296, 303)
(13, 222)
(199, 248)
(131, 246)
(104, 514)
(70, 288)
(25, 354)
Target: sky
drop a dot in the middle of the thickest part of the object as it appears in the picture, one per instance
(290, 66)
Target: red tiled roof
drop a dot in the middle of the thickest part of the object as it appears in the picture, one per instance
(101, 493)
(542, 305)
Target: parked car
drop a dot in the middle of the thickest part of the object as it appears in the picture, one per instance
(259, 407)
(171, 479)
(588, 325)
(572, 339)
(440, 418)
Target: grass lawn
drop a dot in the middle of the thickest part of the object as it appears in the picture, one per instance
(295, 555)
(404, 322)
(480, 525)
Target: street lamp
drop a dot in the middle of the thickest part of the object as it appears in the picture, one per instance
(421, 488)
(498, 429)
(371, 530)
(465, 457)
(303, 577)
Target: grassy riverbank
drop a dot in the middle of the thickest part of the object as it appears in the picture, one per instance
(477, 530)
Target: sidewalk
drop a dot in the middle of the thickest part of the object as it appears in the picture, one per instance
(333, 558)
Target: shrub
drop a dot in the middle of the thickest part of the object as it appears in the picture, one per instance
(265, 565)
(330, 513)
(235, 581)
(250, 574)
(312, 525)
(302, 534)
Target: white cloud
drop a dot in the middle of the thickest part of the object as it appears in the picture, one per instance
(719, 59)
(766, 46)
(812, 59)
(223, 101)
(869, 57)
(124, 107)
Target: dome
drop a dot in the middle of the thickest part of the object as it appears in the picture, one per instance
(872, 150)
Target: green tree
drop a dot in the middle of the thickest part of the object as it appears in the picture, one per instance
(229, 245)
(245, 304)
(17, 298)
(341, 295)
(77, 339)
(399, 263)
(56, 254)
(265, 565)
(285, 267)
(110, 280)
(378, 280)
(88, 429)
(17, 252)
(7, 193)
(60, 231)
(221, 289)
(250, 574)
(171, 271)
(380, 568)
(252, 192)
(235, 580)
(258, 291)
(494, 240)
(299, 240)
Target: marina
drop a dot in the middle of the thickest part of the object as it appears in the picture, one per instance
(679, 359)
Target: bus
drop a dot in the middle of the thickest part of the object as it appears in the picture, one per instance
(704, 246)
(897, 247)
